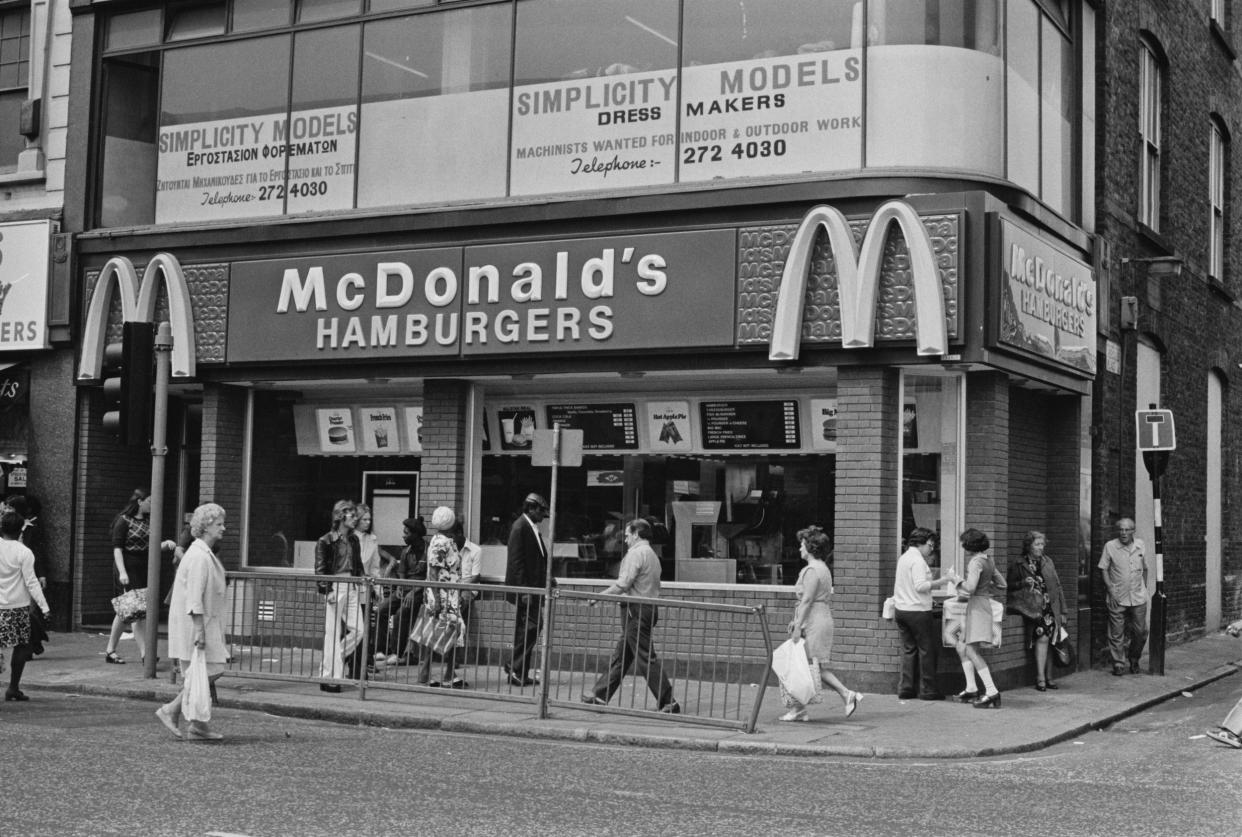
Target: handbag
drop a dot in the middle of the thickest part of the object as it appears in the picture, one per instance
(799, 684)
(439, 634)
(131, 605)
(196, 705)
(1062, 651)
(1026, 602)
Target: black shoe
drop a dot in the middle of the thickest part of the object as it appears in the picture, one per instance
(932, 696)
(1118, 669)
(967, 697)
(1134, 667)
(520, 682)
(907, 695)
(673, 708)
(15, 694)
(1052, 685)
(594, 700)
(1040, 687)
(988, 702)
(111, 657)
(330, 687)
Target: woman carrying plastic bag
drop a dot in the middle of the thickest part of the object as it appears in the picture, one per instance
(195, 629)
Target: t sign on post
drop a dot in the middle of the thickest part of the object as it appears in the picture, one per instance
(1155, 430)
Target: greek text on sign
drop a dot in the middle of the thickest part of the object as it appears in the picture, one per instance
(1154, 430)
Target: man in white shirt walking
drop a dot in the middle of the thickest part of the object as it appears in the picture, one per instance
(639, 576)
(1123, 564)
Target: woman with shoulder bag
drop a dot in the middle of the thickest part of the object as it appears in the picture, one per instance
(1035, 592)
(130, 534)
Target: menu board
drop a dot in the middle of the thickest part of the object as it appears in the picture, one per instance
(736, 425)
(603, 426)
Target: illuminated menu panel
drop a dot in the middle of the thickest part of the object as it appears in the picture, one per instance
(603, 426)
(746, 425)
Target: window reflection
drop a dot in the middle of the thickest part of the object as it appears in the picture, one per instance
(251, 15)
(970, 24)
(198, 21)
(594, 39)
(717, 33)
(310, 11)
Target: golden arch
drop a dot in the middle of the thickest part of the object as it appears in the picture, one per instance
(858, 280)
(138, 305)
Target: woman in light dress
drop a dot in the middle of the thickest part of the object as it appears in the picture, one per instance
(983, 584)
(196, 613)
(812, 617)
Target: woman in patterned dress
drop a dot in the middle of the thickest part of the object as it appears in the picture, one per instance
(443, 564)
(1036, 572)
(18, 588)
(130, 534)
(812, 617)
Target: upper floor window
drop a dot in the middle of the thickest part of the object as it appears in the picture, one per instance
(1150, 99)
(1217, 156)
(1218, 12)
(14, 81)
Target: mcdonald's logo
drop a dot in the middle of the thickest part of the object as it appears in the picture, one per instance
(138, 305)
(858, 280)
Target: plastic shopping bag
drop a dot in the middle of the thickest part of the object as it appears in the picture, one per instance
(799, 683)
(196, 705)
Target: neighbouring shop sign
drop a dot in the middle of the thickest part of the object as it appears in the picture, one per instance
(1047, 299)
(613, 293)
(24, 264)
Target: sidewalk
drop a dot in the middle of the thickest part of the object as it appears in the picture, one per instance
(883, 727)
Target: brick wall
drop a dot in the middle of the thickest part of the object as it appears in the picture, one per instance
(221, 478)
(1194, 321)
(444, 446)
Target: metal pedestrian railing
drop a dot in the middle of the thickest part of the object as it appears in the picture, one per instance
(278, 628)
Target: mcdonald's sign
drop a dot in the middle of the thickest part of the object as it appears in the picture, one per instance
(138, 305)
(858, 280)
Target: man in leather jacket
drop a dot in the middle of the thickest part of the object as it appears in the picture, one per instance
(338, 555)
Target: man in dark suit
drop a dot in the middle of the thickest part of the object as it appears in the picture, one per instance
(527, 567)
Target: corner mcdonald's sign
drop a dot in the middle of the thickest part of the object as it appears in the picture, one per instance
(138, 305)
(858, 280)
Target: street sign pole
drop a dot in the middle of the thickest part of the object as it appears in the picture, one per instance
(1155, 644)
(1156, 437)
(159, 450)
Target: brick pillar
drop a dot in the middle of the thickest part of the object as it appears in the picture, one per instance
(223, 444)
(987, 461)
(445, 458)
(867, 543)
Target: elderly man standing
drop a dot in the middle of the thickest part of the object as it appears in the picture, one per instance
(1124, 567)
(639, 576)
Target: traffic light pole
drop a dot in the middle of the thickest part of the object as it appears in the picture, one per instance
(159, 450)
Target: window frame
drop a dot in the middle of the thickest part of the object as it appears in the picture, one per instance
(1151, 102)
(1218, 162)
(19, 92)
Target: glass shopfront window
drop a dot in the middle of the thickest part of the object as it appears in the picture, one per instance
(724, 519)
(931, 446)
(469, 103)
(435, 105)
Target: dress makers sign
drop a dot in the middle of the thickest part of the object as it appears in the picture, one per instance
(614, 293)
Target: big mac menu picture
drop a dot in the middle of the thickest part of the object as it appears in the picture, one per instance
(603, 426)
(750, 425)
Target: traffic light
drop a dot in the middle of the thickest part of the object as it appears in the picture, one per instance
(129, 378)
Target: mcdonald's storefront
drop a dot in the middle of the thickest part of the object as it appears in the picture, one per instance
(739, 370)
